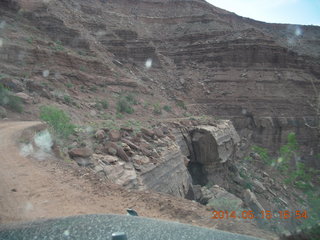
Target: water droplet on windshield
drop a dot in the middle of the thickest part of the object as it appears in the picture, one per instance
(66, 233)
(29, 206)
(45, 73)
(2, 24)
(148, 63)
(298, 31)
(1, 42)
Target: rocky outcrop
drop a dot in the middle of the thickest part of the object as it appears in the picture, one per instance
(170, 175)
(211, 146)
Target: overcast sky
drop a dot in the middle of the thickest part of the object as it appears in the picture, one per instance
(305, 12)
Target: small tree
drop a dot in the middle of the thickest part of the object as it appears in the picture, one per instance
(58, 120)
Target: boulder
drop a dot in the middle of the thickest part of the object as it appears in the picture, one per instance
(147, 132)
(114, 135)
(158, 132)
(80, 152)
(215, 143)
(100, 134)
(122, 154)
(114, 149)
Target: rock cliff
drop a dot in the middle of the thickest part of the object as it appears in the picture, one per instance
(223, 64)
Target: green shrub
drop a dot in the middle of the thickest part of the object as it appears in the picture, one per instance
(57, 46)
(67, 99)
(58, 120)
(157, 109)
(69, 85)
(104, 104)
(131, 99)
(134, 124)
(167, 108)
(124, 106)
(8, 100)
(181, 104)
(119, 115)
(263, 153)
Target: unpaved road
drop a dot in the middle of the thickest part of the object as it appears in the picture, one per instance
(31, 190)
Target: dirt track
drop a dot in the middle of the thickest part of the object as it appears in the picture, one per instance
(32, 190)
(29, 191)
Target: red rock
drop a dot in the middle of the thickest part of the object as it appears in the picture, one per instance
(159, 133)
(130, 144)
(114, 135)
(116, 150)
(80, 152)
(100, 134)
(147, 132)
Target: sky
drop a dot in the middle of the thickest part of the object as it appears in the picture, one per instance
(305, 12)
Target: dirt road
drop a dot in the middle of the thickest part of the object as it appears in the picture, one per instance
(30, 190)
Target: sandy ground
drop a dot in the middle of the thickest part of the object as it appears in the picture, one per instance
(31, 190)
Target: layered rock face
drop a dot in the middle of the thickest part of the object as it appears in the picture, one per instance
(170, 176)
(219, 63)
(212, 146)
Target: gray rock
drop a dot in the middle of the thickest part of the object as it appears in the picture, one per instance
(170, 175)
(219, 194)
(258, 186)
(197, 193)
(251, 201)
(215, 143)
(122, 174)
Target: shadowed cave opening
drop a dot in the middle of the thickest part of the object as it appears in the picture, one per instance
(204, 154)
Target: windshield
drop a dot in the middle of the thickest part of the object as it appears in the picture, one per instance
(175, 110)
